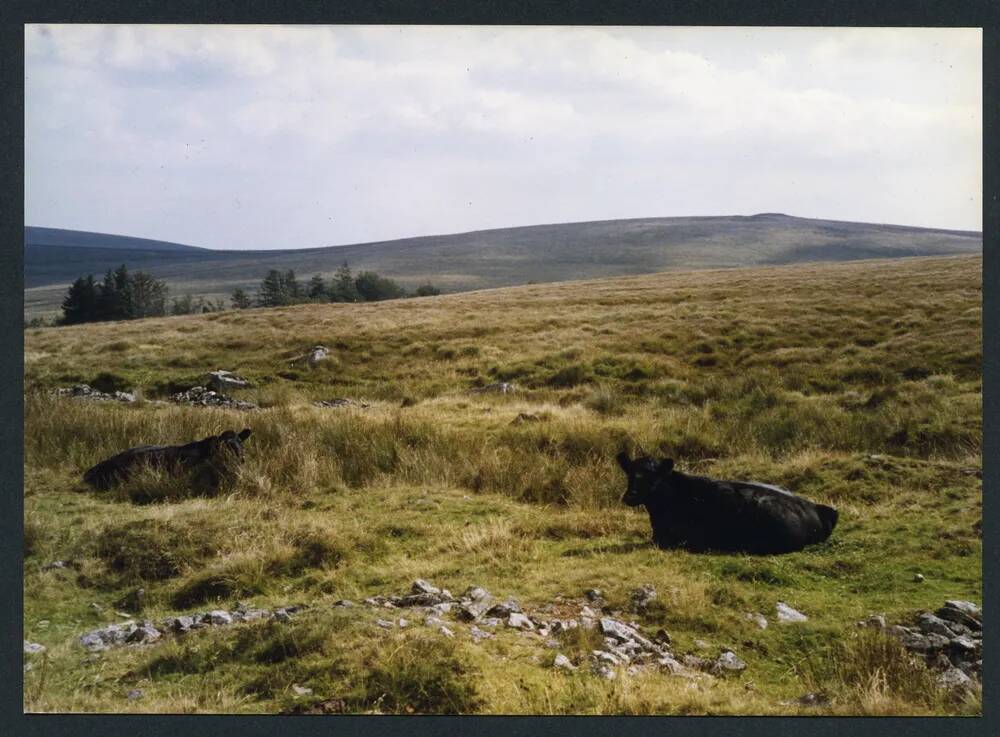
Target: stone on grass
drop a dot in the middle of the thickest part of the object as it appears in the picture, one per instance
(728, 662)
(445, 631)
(420, 586)
(786, 614)
(218, 617)
(954, 679)
(223, 380)
(301, 690)
(561, 661)
(134, 694)
(520, 621)
(32, 648)
(928, 623)
(758, 619)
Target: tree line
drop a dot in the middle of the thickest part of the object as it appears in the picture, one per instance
(125, 295)
(281, 288)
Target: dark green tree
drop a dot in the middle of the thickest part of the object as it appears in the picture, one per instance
(293, 288)
(427, 290)
(273, 291)
(342, 289)
(375, 288)
(317, 291)
(143, 296)
(240, 299)
(81, 301)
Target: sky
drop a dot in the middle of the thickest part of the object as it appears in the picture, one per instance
(303, 136)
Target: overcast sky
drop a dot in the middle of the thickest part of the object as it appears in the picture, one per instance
(282, 137)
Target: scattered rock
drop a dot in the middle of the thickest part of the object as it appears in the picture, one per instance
(420, 586)
(787, 614)
(478, 634)
(340, 402)
(55, 565)
(384, 624)
(145, 632)
(445, 631)
(134, 694)
(758, 619)
(727, 662)
(809, 699)
(222, 380)
(504, 609)
(300, 691)
(500, 387)
(918, 578)
(954, 679)
(202, 397)
(343, 602)
(310, 358)
(33, 648)
(85, 391)
(623, 633)
(520, 621)
(403, 623)
(561, 661)
(929, 624)
(874, 621)
(594, 595)
(218, 617)
(639, 598)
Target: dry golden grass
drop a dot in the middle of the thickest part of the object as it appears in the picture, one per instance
(854, 384)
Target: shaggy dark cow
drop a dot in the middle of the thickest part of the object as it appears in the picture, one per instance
(211, 458)
(699, 513)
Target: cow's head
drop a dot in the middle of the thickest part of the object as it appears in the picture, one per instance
(644, 475)
(227, 447)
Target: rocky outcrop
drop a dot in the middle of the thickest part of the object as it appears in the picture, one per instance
(499, 387)
(145, 631)
(85, 391)
(340, 402)
(949, 641)
(225, 380)
(201, 397)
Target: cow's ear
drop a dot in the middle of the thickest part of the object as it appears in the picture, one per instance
(666, 465)
(624, 461)
(244, 434)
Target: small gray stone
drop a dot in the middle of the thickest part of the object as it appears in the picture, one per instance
(301, 690)
(640, 598)
(478, 634)
(966, 607)
(504, 609)
(491, 622)
(343, 602)
(928, 624)
(561, 661)
(786, 614)
(431, 621)
(918, 578)
(476, 593)
(55, 564)
(32, 648)
(403, 623)
(420, 586)
(728, 662)
(218, 617)
(758, 619)
(134, 694)
(143, 633)
(445, 631)
(384, 624)
(282, 615)
(520, 621)
(93, 641)
(954, 679)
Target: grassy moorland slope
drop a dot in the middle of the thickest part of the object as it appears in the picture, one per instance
(491, 258)
(857, 385)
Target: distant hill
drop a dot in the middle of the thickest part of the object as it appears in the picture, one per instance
(490, 258)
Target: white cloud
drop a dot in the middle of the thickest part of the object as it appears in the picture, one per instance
(531, 124)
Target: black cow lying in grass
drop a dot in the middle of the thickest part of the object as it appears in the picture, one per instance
(699, 513)
(211, 459)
